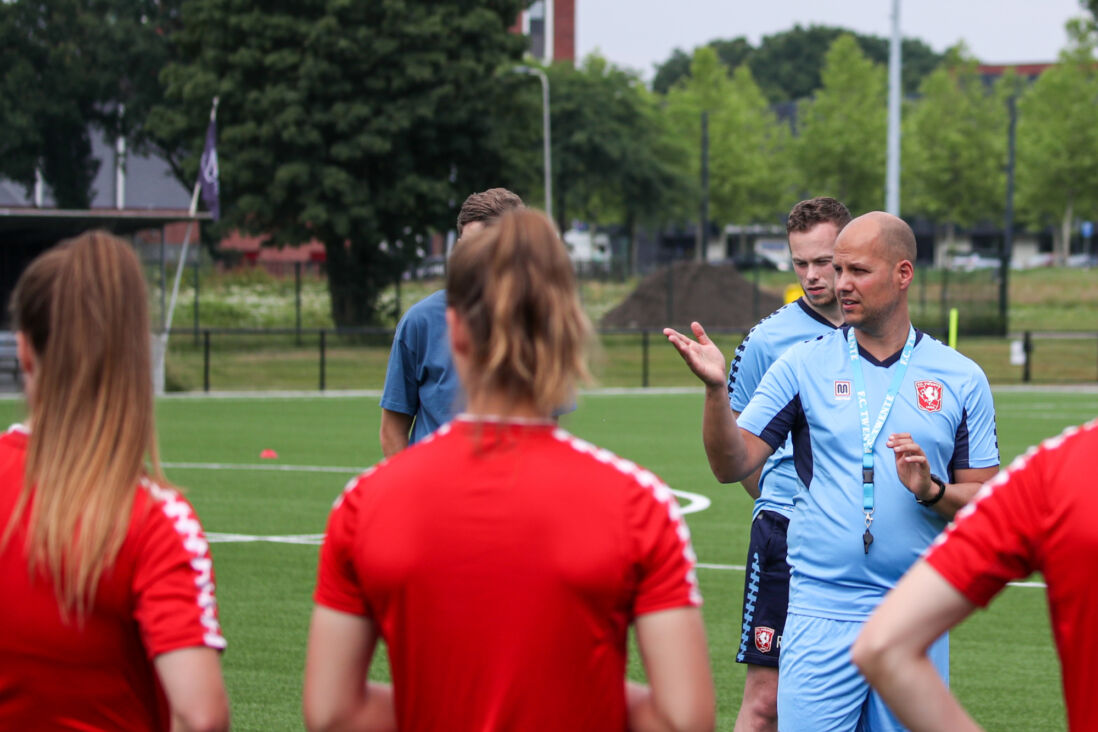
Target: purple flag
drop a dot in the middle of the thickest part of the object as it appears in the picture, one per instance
(208, 175)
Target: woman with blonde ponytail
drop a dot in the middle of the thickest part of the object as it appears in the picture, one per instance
(109, 615)
(502, 559)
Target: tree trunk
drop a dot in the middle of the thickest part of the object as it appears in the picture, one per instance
(560, 203)
(357, 273)
(631, 253)
(1061, 246)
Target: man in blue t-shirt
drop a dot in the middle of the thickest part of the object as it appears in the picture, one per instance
(861, 516)
(421, 387)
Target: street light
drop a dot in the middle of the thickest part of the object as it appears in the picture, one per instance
(545, 132)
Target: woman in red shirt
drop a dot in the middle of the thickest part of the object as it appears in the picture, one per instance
(108, 587)
(502, 560)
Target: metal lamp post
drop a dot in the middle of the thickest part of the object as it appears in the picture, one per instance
(545, 132)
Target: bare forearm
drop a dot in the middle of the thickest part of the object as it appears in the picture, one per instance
(751, 484)
(914, 692)
(394, 432)
(645, 716)
(891, 649)
(724, 445)
(374, 711)
(392, 444)
(641, 712)
(956, 497)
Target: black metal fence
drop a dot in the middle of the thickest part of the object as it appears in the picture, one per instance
(356, 358)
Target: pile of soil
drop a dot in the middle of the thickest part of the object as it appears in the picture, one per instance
(715, 295)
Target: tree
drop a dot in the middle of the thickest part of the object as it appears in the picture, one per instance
(955, 146)
(612, 156)
(748, 146)
(70, 66)
(45, 100)
(787, 65)
(1058, 141)
(360, 125)
(841, 148)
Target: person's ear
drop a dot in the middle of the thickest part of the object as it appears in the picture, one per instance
(458, 333)
(905, 273)
(25, 354)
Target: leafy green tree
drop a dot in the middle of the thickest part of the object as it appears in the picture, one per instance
(69, 66)
(841, 147)
(748, 146)
(1090, 6)
(45, 99)
(360, 125)
(954, 147)
(613, 161)
(787, 65)
(676, 67)
(1058, 142)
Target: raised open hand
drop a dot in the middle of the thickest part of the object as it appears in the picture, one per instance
(702, 356)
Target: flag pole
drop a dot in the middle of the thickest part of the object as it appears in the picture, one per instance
(162, 351)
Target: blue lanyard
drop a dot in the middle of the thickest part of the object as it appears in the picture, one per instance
(869, 435)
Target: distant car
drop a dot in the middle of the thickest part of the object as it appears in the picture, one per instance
(745, 262)
(433, 266)
(973, 262)
(1082, 260)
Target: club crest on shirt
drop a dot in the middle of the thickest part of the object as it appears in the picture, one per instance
(930, 395)
(842, 390)
(764, 638)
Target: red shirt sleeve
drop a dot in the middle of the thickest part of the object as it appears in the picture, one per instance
(997, 537)
(337, 585)
(173, 581)
(663, 556)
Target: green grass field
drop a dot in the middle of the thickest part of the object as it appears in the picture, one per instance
(1003, 663)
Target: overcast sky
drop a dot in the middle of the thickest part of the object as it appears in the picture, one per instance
(641, 33)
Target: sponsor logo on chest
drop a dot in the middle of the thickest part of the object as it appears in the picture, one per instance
(843, 390)
(929, 394)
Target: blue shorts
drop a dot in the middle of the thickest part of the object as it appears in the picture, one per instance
(820, 689)
(765, 591)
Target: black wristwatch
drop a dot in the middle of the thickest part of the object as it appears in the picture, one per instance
(938, 496)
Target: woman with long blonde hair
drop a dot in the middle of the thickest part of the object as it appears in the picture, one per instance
(502, 560)
(109, 615)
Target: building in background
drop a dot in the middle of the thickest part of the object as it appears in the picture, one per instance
(551, 25)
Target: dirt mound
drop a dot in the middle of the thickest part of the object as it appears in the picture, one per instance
(717, 296)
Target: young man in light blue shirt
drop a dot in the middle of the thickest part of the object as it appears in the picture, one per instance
(812, 227)
(868, 503)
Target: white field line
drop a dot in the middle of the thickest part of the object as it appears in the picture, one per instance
(695, 502)
(316, 539)
(376, 393)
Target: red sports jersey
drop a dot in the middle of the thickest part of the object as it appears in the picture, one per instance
(1041, 515)
(503, 563)
(158, 596)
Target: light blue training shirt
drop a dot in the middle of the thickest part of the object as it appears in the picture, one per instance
(764, 344)
(944, 401)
